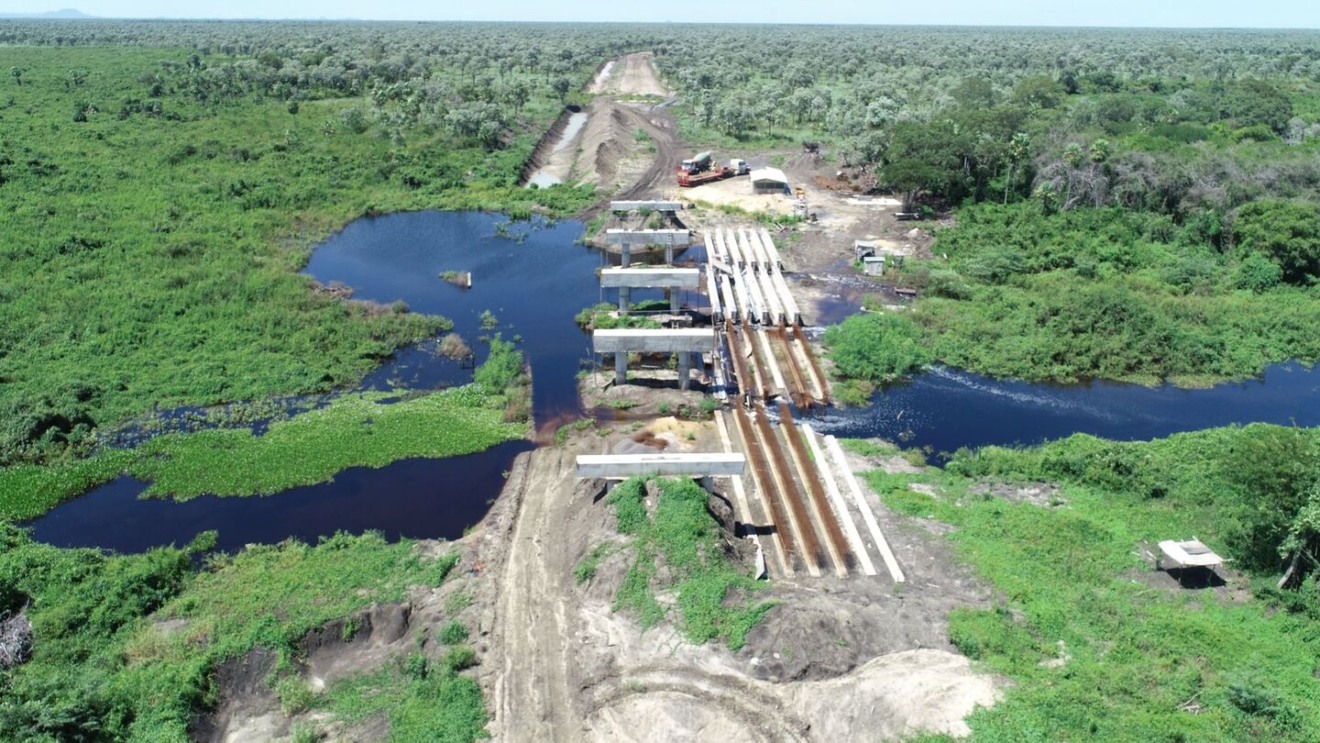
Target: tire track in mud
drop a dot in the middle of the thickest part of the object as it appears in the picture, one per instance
(761, 711)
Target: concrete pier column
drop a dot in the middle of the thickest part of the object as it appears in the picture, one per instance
(624, 297)
(669, 255)
(621, 368)
(626, 254)
(684, 369)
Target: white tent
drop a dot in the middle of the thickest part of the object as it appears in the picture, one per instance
(769, 180)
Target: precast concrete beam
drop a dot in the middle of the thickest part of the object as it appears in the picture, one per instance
(628, 340)
(671, 238)
(622, 466)
(650, 278)
(655, 206)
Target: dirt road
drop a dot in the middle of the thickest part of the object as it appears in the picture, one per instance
(836, 658)
(628, 146)
(630, 75)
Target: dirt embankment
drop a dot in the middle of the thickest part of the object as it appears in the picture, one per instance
(835, 658)
(628, 142)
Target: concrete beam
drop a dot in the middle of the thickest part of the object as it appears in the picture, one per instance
(672, 238)
(653, 278)
(655, 206)
(653, 341)
(620, 466)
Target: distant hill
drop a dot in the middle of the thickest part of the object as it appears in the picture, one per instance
(65, 13)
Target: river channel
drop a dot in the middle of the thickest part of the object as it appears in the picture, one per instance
(533, 278)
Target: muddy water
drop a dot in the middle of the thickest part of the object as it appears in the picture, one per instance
(560, 162)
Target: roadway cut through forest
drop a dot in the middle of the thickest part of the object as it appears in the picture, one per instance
(628, 142)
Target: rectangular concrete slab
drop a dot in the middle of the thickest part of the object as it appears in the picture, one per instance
(655, 206)
(657, 278)
(679, 238)
(653, 341)
(669, 465)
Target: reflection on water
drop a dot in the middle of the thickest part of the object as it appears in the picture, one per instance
(414, 498)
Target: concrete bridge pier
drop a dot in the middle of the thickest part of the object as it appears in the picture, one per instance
(683, 342)
(621, 368)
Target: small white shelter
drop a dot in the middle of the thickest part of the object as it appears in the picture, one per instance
(769, 180)
(1190, 554)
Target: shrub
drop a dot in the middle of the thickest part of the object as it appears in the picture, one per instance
(877, 347)
(453, 634)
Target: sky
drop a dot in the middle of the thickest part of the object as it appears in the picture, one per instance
(1138, 13)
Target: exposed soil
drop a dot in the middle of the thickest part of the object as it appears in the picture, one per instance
(818, 256)
(628, 144)
(833, 658)
(630, 75)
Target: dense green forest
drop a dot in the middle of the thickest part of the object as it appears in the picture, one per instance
(1131, 205)
(1135, 205)
(188, 184)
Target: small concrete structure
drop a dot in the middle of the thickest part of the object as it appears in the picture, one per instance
(660, 277)
(769, 180)
(670, 239)
(678, 238)
(665, 278)
(623, 466)
(655, 206)
(684, 342)
(1190, 554)
(873, 265)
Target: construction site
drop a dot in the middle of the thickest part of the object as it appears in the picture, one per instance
(718, 382)
(752, 354)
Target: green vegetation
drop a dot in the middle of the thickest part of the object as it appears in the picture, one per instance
(877, 347)
(370, 429)
(1139, 653)
(354, 431)
(423, 701)
(102, 666)
(1112, 294)
(31, 490)
(604, 316)
(1105, 293)
(1133, 206)
(586, 570)
(186, 176)
(713, 598)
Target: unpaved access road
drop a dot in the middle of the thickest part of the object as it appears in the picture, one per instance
(838, 659)
(630, 75)
(628, 146)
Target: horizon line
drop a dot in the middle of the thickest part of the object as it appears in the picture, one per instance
(53, 16)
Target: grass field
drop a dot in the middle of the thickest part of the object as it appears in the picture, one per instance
(1095, 646)
(714, 599)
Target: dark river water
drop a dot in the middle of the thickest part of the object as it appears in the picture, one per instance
(534, 279)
